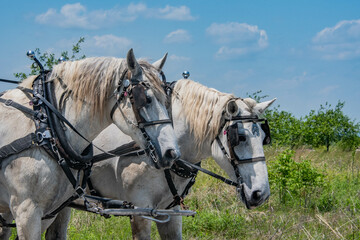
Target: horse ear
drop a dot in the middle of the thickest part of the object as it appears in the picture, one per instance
(232, 108)
(261, 107)
(133, 65)
(159, 64)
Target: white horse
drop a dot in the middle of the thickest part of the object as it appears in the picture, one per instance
(200, 115)
(32, 184)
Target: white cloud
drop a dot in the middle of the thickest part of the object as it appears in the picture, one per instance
(77, 16)
(110, 42)
(100, 45)
(178, 36)
(70, 15)
(328, 89)
(340, 42)
(178, 58)
(181, 13)
(237, 39)
(292, 82)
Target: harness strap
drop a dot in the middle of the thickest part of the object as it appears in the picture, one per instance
(144, 124)
(79, 191)
(9, 81)
(123, 150)
(11, 103)
(18, 146)
(177, 199)
(225, 180)
(249, 160)
(61, 117)
(65, 167)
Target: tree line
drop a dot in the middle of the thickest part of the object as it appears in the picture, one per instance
(324, 127)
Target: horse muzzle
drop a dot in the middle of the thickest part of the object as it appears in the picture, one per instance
(170, 156)
(252, 198)
(167, 159)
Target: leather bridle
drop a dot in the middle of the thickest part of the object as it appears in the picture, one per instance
(232, 143)
(129, 86)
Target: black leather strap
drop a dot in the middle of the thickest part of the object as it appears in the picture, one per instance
(11, 103)
(225, 180)
(119, 151)
(177, 199)
(18, 146)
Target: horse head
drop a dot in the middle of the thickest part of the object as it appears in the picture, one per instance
(140, 110)
(239, 148)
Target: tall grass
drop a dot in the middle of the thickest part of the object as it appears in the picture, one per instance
(331, 212)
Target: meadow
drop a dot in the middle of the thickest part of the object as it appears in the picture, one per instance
(324, 206)
(315, 195)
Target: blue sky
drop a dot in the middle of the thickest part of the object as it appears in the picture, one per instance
(305, 53)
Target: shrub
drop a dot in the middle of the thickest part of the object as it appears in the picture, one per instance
(294, 182)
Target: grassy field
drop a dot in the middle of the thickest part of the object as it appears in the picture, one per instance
(326, 210)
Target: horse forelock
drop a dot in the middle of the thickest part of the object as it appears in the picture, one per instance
(203, 108)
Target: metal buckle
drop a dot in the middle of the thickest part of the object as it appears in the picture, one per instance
(8, 102)
(151, 152)
(79, 192)
(43, 135)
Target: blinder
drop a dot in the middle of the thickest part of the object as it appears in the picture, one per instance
(140, 99)
(266, 128)
(236, 134)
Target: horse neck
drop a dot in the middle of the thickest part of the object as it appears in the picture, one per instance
(190, 149)
(88, 124)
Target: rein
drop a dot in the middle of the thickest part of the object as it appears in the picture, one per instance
(212, 174)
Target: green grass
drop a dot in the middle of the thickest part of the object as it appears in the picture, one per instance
(332, 211)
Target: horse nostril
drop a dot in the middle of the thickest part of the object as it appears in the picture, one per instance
(256, 196)
(172, 154)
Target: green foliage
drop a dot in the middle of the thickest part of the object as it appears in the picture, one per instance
(48, 60)
(294, 180)
(256, 96)
(324, 127)
(286, 129)
(328, 126)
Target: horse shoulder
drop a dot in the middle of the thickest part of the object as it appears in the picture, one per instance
(19, 124)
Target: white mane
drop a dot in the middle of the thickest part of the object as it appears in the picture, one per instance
(203, 108)
(92, 79)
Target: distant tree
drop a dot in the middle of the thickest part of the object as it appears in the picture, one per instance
(257, 96)
(286, 129)
(49, 60)
(329, 125)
